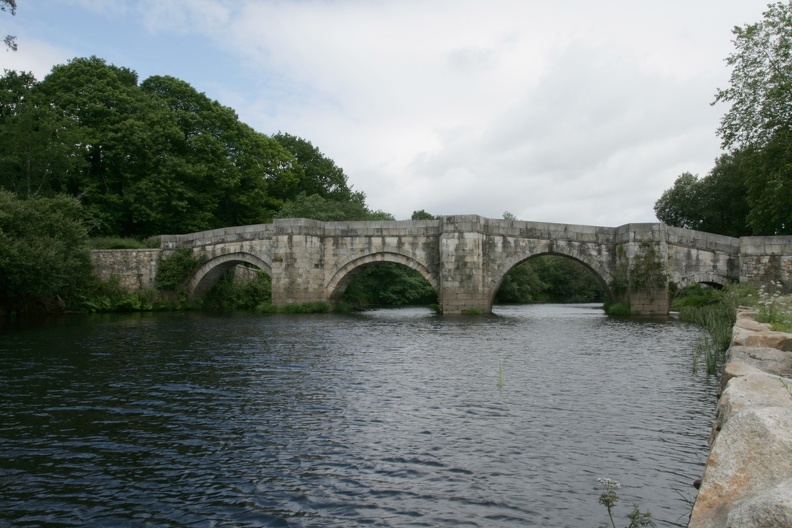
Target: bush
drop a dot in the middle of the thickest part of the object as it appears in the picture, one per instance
(176, 269)
(230, 294)
(44, 255)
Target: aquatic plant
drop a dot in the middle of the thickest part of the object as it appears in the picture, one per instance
(608, 499)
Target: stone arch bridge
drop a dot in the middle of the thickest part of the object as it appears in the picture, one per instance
(465, 258)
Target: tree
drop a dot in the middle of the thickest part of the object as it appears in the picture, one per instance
(10, 6)
(422, 215)
(44, 256)
(770, 186)
(320, 175)
(678, 205)
(318, 208)
(760, 91)
(40, 145)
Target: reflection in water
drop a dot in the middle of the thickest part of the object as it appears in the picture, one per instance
(386, 418)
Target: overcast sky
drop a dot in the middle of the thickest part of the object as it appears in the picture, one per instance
(570, 111)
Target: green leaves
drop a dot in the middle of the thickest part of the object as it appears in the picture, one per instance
(44, 256)
(717, 203)
(760, 88)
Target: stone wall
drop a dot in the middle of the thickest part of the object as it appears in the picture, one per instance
(765, 259)
(748, 477)
(135, 269)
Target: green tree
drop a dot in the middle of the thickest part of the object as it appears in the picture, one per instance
(550, 278)
(40, 145)
(770, 186)
(758, 123)
(760, 87)
(44, 256)
(422, 215)
(389, 284)
(717, 203)
(318, 208)
(678, 206)
(319, 175)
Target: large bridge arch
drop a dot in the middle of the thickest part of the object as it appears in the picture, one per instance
(595, 267)
(207, 275)
(346, 272)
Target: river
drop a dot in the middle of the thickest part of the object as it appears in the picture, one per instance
(383, 418)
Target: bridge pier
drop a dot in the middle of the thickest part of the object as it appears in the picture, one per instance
(463, 278)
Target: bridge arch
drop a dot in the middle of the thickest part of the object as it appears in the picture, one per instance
(709, 278)
(345, 273)
(206, 276)
(600, 272)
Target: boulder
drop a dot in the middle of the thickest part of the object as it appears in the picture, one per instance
(751, 455)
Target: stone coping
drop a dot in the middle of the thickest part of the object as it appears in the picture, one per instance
(747, 481)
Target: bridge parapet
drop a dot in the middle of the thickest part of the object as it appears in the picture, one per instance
(218, 236)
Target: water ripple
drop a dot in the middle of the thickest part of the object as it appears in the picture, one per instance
(390, 418)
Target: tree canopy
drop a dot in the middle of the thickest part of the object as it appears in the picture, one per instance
(154, 157)
(750, 188)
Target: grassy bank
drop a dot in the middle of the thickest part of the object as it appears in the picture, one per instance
(716, 312)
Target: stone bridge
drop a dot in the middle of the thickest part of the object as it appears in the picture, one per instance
(465, 258)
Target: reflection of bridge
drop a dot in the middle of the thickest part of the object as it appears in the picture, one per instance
(464, 258)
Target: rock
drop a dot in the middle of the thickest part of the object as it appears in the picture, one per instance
(750, 456)
(767, 359)
(769, 510)
(748, 478)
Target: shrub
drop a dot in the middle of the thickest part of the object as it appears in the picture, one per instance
(176, 269)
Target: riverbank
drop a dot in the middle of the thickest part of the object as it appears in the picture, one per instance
(747, 481)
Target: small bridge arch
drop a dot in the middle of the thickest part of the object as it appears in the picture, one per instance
(206, 276)
(347, 272)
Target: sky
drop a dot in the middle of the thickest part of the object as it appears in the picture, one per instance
(568, 111)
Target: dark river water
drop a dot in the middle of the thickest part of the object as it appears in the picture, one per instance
(385, 418)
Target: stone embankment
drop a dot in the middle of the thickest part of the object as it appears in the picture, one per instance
(747, 481)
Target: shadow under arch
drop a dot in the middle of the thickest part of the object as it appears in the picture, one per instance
(595, 269)
(206, 276)
(707, 278)
(344, 275)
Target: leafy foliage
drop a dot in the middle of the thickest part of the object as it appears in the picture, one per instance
(389, 284)
(760, 87)
(317, 207)
(150, 158)
(550, 278)
(232, 294)
(716, 203)
(422, 215)
(750, 188)
(44, 257)
(176, 269)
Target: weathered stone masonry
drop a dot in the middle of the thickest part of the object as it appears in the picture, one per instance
(465, 258)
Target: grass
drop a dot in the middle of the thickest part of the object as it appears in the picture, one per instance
(715, 311)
